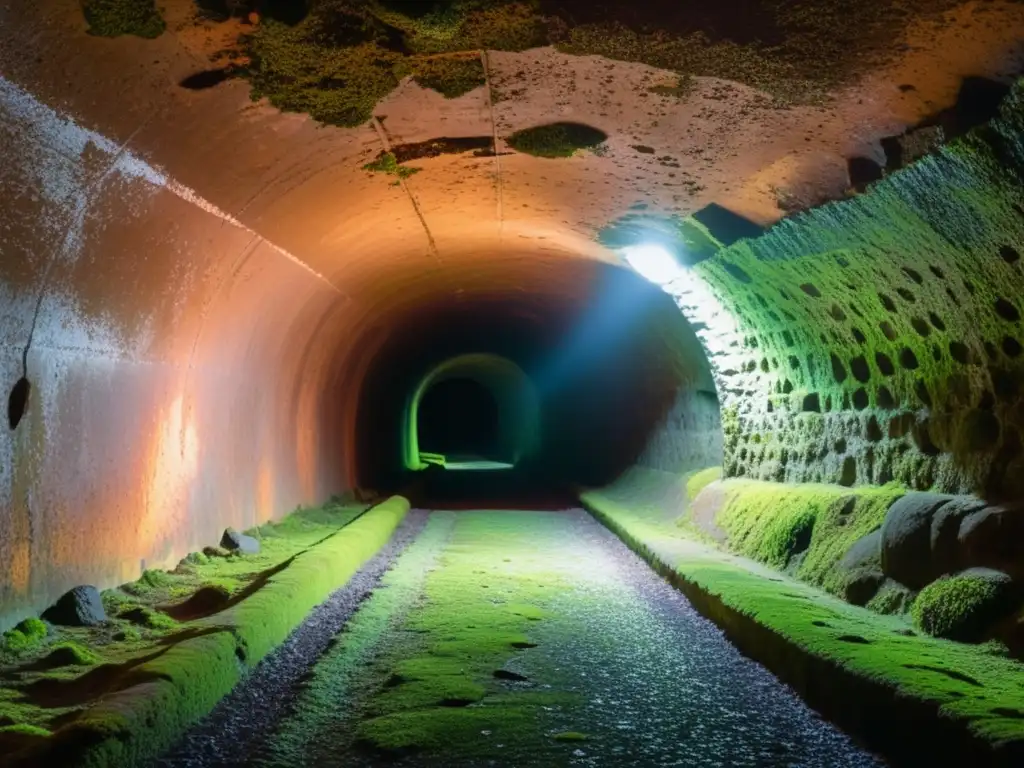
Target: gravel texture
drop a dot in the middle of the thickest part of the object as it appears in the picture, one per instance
(662, 685)
(659, 685)
(232, 733)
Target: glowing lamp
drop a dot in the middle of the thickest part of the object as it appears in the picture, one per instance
(653, 262)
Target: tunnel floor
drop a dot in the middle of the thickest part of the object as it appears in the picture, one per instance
(525, 638)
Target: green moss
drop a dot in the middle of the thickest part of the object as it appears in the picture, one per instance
(266, 618)
(477, 610)
(570, 736)
(890, 599)
(68, 653)
(556, 139)
(960, 607)
(26, 636)
(128, 634)
(191, 673)
(112, 18)
(25, 729)
(772, 522)
(698, 481)
(387, 164)
(464, 25)
(961, 685)
(451, 76)
(691, 55)
(150, 619)
(149, 582)
(299, 69)
(326, 699)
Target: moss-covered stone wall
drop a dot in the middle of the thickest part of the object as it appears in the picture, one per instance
(880, 338)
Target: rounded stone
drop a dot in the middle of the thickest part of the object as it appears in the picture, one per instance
(993, 537)
(906, 538)
(78, 607)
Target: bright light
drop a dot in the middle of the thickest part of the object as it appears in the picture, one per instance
(653, 262)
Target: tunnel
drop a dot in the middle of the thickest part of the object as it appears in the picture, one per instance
(511, 382)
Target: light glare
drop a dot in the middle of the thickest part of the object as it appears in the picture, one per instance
(653, 262)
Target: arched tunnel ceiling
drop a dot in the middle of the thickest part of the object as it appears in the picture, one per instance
(198, 284)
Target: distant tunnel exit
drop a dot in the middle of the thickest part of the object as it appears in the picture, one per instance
(459, 419)
(476, 411)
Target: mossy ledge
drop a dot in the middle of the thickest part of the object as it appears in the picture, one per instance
(866, 672)
(155, 700)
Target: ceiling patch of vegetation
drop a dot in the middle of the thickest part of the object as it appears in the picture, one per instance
(387, 163)
(480, 146)
(451, 76)
(556, 139)
(113, 18)
(334, 59)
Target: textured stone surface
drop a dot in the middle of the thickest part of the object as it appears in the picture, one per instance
(862, 569)
(993, 537)
(906, 538)
(79, 607)
(238, 542)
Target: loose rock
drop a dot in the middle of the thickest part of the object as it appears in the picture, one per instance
(906, 538)
(79, 607)
(239, 542)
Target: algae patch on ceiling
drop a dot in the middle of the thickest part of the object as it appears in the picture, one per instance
(335, 59)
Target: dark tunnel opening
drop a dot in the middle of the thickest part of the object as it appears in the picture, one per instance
(609, 357)
(458, 418)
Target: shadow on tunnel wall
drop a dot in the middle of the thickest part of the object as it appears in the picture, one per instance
(610, 356)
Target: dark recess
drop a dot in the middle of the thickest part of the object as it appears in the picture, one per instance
(17, 402)
(208, 78)
(727, 226)
(863, 171)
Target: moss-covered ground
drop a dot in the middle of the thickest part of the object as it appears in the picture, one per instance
(95, 688)
(774, 522)
(864, 669)
(427, 665)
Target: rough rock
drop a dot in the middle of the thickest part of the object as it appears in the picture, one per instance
(945, 545)
(79, 607)
(906, 538)
(993, 537)
(239, 542)
(860, 569)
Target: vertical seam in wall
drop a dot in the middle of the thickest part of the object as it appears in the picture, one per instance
(499, 178)
(60, 249)
(382, 135)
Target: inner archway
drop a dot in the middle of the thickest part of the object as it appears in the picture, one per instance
(459, 419)
(474, 411)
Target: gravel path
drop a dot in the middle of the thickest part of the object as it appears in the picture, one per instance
(662, 685)
(231, 734)
(659, 685)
